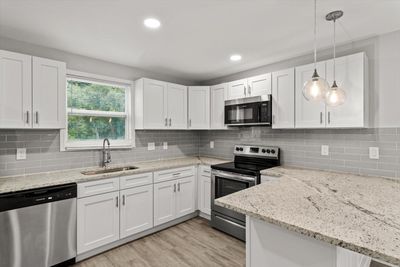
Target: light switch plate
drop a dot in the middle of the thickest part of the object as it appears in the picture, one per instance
(374, 152)
(165, 145)
(211, 144)
(151, 146)
(21, 153)
(324, 150)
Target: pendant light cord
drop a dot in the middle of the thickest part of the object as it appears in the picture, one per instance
(315, 34)
(334, 49)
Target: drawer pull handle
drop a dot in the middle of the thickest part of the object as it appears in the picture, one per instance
(176, 174)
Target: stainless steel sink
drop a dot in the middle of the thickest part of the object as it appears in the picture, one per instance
(119, 169)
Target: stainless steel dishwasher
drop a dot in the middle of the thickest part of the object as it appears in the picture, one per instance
(38, 227)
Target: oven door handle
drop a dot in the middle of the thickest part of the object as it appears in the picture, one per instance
(234, 176)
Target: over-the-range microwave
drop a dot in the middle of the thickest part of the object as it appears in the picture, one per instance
(249, 111)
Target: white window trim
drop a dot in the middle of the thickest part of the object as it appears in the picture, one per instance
(129, 142)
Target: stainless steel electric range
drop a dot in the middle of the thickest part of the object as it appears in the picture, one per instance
(242, 173)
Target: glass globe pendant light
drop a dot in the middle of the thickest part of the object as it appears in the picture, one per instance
(336, 95)
(315, 89)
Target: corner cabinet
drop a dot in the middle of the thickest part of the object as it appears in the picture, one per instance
(32, 92)
(218, 95)
(199, 107)
(160, 105)
(352, 75)
(283, 99)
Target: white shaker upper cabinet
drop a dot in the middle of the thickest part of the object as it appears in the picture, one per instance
(199, 107)
(218, 95)
(259, 85)
(237, 89)
(15, 90)
(283, 99)
(150, 104)
(308, 114)
(351, 74)
(177, 106)
(49, 86)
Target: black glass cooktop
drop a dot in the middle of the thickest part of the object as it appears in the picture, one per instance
(243, 168)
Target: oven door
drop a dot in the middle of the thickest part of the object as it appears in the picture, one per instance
(248, 113)
(225, 183)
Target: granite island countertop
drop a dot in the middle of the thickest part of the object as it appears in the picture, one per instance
(30, 181)
(358, 213)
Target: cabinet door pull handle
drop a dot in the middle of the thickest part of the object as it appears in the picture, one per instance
(170, 121)
(37, 117)
(123, 200)
(273, 119)
(174, 188)
(27, 117)
(116, 202)
(329, 117)
(190, 122)
(320, 117)
(166, 122)
(179, 187)
(244, 89)
(249, 89)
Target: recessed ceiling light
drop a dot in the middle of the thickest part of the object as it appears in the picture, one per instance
(236, 57)
(152, 23)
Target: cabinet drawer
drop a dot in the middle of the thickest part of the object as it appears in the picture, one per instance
(205, 170)
(171, 174)
(136, 180)
(98, 187)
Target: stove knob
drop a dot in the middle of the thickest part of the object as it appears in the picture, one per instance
(263, 151)
(268, 151)
(273, 151)
(241, 149)
(237, 149)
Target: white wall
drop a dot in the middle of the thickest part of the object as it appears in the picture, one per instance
(388, 80)
(86, 64)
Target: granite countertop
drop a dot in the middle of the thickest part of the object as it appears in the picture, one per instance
(31, 181)
(358, 213)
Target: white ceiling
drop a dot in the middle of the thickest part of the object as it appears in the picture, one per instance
(197, 36)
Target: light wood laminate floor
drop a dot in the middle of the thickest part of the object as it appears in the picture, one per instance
(192, 243)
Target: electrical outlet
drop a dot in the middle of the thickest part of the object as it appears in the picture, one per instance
(324, 150)
(211, 144)
(151, 146)
(165, 145)
(21, 153)
(374, 152)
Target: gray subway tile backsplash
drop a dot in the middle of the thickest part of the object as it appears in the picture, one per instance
(348, 149)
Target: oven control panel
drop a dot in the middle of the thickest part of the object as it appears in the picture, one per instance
(257, 151)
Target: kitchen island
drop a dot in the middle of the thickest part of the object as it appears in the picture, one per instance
(300, 217)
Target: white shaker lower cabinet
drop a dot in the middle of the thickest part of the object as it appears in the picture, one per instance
(283, 99)
(199, 107)
(98, 221)
(351, 74)
(309, 114)
(185, 196)
(175, 197)
(164, 202)
(218, 93)
(136, 210)
(204, 190)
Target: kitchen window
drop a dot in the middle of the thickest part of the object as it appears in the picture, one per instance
(98, 107)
